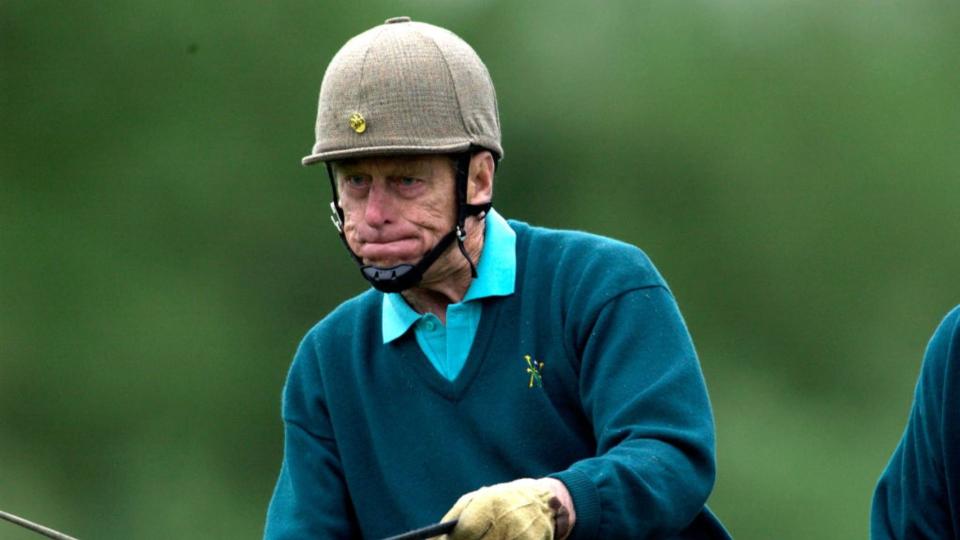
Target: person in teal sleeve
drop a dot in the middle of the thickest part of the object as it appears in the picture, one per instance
(528, 383)
(918, 495)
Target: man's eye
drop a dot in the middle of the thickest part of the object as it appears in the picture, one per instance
(407, 181)
(356, 181)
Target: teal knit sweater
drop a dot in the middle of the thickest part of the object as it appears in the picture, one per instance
(918, 495)
(611, 401)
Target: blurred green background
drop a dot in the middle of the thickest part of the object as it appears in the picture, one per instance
(791, 167)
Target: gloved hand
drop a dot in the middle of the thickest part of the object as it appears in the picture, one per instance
(524, 509)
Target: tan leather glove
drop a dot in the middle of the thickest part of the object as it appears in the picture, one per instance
(524, 509)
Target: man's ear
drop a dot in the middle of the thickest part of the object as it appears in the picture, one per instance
(480, 178)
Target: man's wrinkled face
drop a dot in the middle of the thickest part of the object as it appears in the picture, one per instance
(395, 208)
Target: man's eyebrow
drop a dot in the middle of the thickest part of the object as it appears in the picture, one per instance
(342, 167)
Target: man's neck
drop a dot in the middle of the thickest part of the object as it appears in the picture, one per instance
(434, 294)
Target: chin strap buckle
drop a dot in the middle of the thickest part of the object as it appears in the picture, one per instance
(461, 234)
(335, 217)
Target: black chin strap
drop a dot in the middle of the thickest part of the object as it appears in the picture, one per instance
(465, 210)
(403, 276)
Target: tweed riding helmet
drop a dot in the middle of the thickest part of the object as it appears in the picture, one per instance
(405, 88)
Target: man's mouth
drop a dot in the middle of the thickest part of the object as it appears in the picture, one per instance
(401, 250)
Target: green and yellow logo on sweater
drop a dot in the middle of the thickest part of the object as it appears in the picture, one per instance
(535, 369)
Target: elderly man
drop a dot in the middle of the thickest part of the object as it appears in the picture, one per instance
(526, 382)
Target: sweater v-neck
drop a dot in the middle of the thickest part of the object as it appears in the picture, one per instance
(413, 358)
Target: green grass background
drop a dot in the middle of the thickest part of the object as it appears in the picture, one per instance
(791, 167)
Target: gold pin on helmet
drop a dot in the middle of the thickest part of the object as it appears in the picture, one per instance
(358, 123)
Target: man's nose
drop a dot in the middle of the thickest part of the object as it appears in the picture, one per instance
(379, 208)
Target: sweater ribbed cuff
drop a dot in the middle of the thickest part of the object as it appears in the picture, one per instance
(586, 503)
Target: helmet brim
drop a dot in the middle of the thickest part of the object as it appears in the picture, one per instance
(387, 150)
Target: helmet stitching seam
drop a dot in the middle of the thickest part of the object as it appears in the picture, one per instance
(453, 80)
(363, 65)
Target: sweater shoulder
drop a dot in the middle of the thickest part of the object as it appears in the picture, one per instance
(943, 351)
(339, 326)
(950, 326)
(576, 255)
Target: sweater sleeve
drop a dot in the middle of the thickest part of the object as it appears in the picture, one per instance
(914, 496)
(642, 388)
(310, 499)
